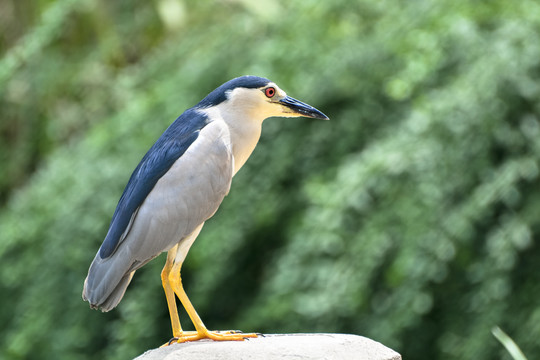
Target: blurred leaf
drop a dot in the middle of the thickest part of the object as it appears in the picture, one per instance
(508, 343)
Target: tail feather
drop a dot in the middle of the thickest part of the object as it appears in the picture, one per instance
(108, 280)
(116, 295)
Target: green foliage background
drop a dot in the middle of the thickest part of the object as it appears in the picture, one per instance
(412, 217)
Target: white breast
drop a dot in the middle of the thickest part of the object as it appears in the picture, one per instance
(244, 131)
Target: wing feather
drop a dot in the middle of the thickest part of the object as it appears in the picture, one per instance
(162, 155)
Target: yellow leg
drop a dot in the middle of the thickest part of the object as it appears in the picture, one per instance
(171, 299)
(202, 332)
(169, 293)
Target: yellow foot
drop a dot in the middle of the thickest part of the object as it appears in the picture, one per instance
(230, 335)
(188, 335)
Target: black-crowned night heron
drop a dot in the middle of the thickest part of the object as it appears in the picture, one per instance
(177, 186)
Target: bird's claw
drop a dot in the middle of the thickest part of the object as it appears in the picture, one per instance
(229, 335)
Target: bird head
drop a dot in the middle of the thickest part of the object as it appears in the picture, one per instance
(260, 98)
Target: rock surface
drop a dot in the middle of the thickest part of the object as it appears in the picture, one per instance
(279, 346)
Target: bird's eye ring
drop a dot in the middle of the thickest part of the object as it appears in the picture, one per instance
(269, 92)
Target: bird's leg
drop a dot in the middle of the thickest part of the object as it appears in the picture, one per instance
(169, 293)
(171, 300)
(201, 331)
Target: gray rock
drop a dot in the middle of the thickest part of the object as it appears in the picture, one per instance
(278, 346)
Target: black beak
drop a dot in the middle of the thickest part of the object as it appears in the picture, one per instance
(300, 108)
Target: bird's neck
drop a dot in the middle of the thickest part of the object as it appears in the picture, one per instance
(243, 139)
(244, 130)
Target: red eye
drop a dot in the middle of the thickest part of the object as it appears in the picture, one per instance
(270, 92)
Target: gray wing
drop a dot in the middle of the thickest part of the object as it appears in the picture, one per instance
(187, 195)
(170, 146)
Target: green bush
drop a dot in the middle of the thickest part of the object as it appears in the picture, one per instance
(411, 217)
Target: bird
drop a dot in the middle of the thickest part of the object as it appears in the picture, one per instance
(177, 186)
